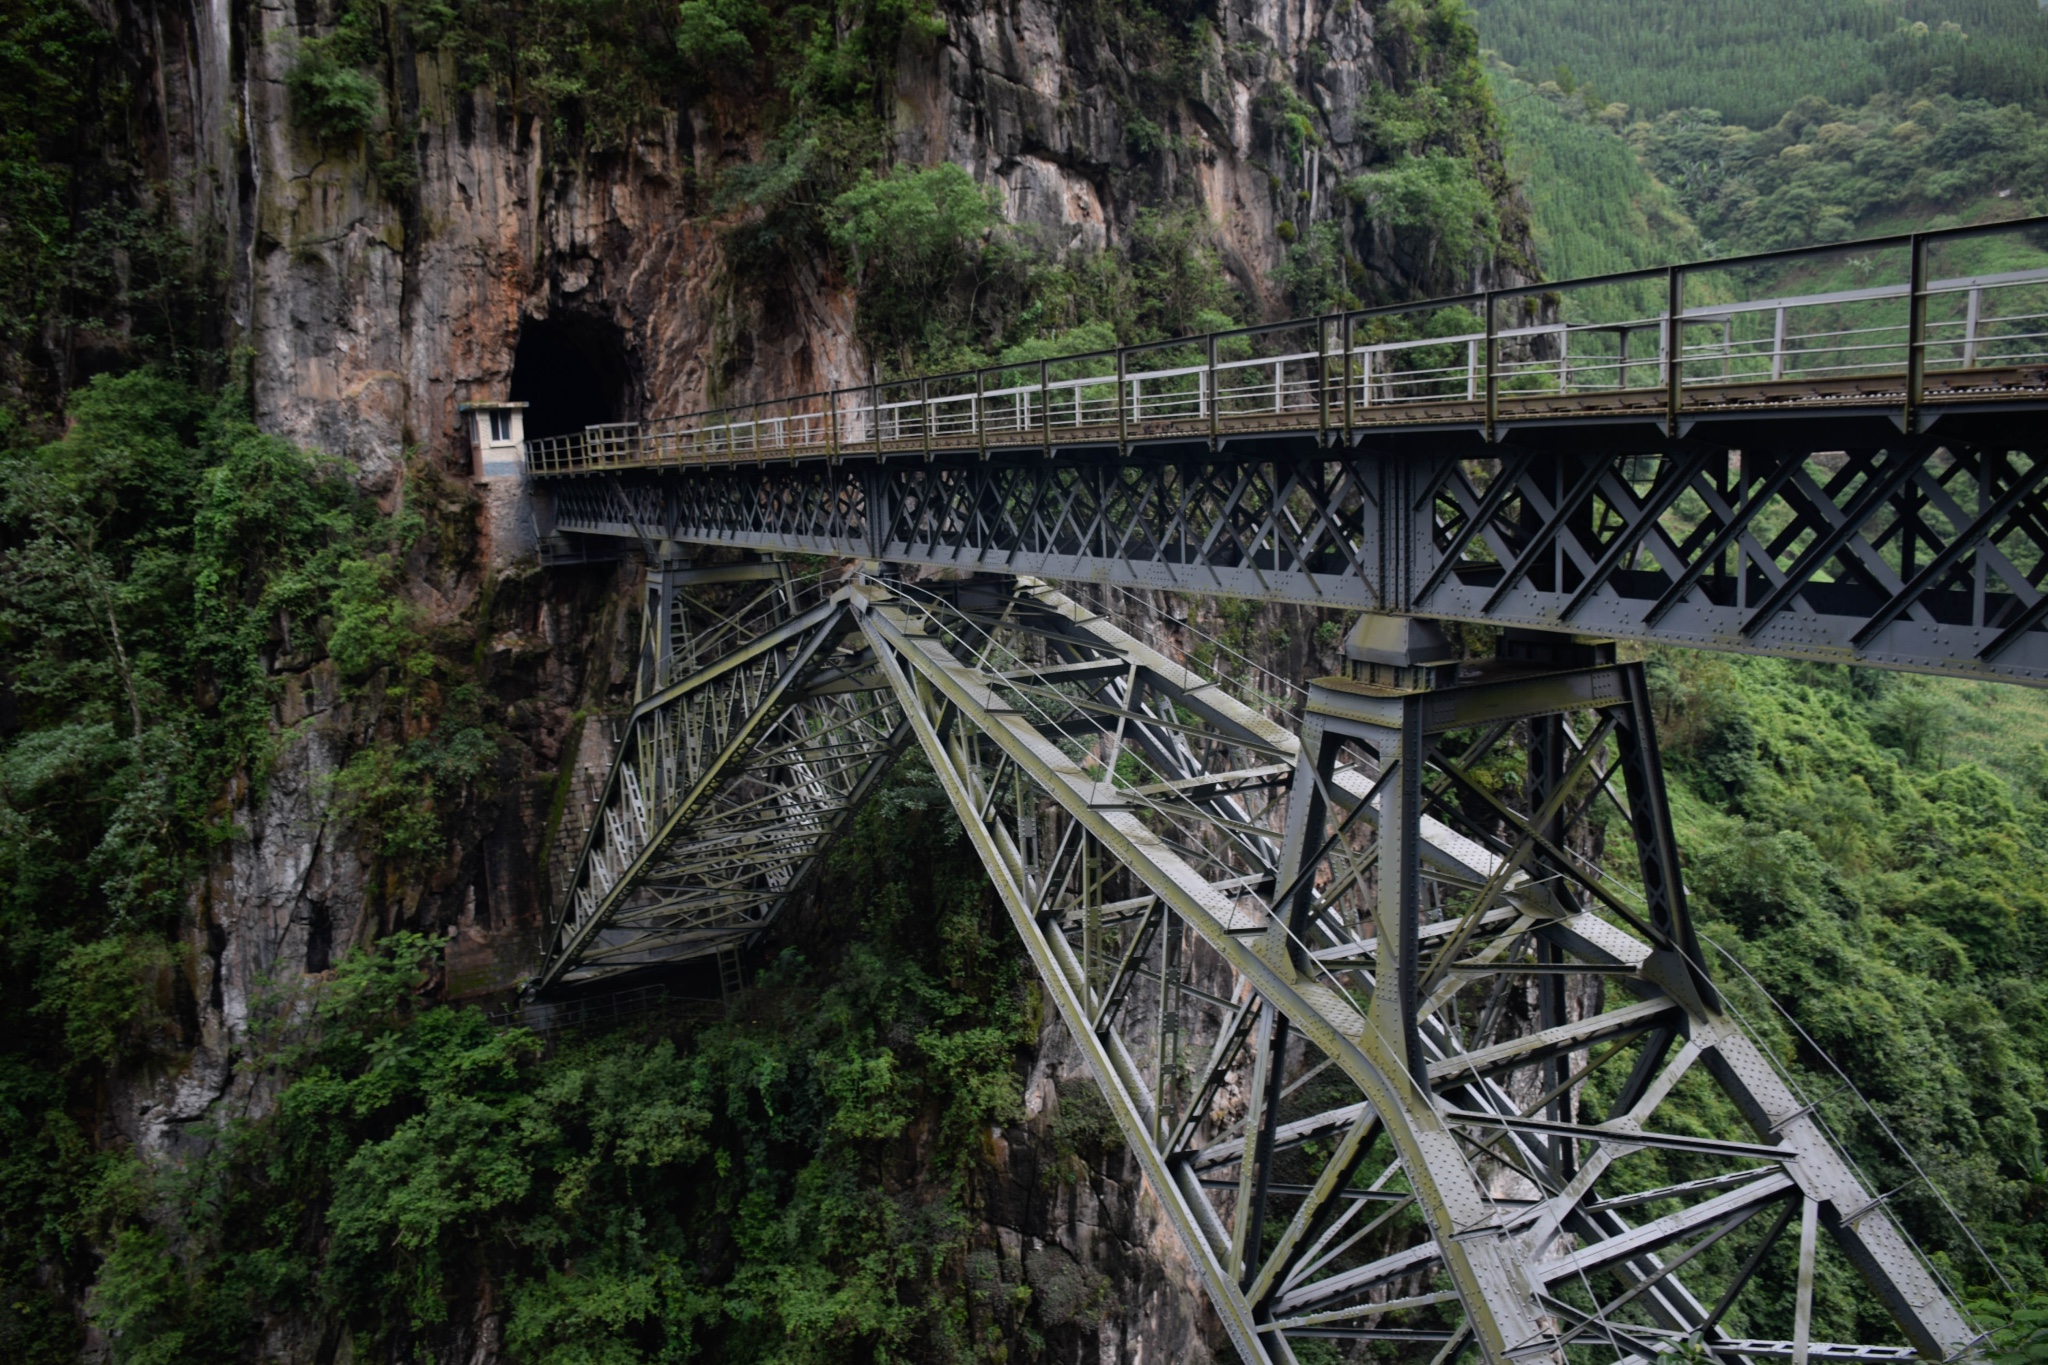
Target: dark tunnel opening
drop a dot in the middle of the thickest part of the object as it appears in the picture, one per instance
(571, 373)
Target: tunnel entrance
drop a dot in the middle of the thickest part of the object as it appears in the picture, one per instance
(571, 373)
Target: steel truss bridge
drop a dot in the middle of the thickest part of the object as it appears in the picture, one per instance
(1395, 1053)
(1849, 474)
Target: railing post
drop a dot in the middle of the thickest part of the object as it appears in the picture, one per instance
(1778, 346)
(1045, 406)
(1122, 428)
(832, 426)
(1674, 346)
(1976, 306)
(980, 427)
(1215, 399)
(1346, 377)
(875, 410)
(1916, 331)
(1492, 370)
(924, 415)
(1323, 380)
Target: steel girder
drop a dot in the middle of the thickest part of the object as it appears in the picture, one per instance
(759, 731)
(1836, 539)
(1391, 1053)
(1315, 979)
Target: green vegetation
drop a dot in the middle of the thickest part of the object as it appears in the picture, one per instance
(155, 561)
(1611, 193)
(1595, 208)
(1436, 196)
(943, 284)
(909, 235)
(160, 567)
(1823, 173)
(1753, 59)
(46, 51)
(1434, 181)
(94, 272)
(598, 70)
(2018, 1336)
(157, 558)
(333, 100)
(1869, 846)
(745, 1196)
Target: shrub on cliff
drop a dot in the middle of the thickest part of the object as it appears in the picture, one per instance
(910, 235)
(333, 101)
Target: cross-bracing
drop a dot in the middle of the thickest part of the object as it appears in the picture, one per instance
(1397, 1054)
(1727, 455)
(1392, 1051)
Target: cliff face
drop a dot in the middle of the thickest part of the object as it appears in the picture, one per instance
(373, 311)
(374, 297)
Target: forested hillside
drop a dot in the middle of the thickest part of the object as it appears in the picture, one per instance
(1867, 846)
(1613, 192)
(1871, 848)
(1646, 133)
(1753, 59)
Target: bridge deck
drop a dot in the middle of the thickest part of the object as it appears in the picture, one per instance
(1851, 475)
(809, 435)
(1919, 345)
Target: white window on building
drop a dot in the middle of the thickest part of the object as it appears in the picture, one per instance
(501, 426)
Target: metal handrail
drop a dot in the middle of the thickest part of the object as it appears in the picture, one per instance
(1342, 379)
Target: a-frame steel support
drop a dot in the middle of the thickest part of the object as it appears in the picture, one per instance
(1391, 1040)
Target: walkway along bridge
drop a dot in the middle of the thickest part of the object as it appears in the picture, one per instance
(1392, 1051)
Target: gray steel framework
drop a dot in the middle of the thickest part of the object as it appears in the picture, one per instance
(1922, 552)
(760, 727)
(1321, 978)
(1852, 475)
(1286, 961)
(1393, 1053)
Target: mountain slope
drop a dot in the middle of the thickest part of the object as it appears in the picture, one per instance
(1752, 59)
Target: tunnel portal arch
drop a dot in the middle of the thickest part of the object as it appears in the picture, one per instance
(571, 372)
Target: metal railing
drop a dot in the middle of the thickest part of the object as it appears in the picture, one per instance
(1938, 324)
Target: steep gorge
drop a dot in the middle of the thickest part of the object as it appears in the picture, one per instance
(488, 220)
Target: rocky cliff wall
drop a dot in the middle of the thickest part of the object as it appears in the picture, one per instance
(372, 291)
(377, 293)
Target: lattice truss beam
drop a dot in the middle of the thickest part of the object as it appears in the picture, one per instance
(762, 724)
(1923, 552)
(1395, 1057)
